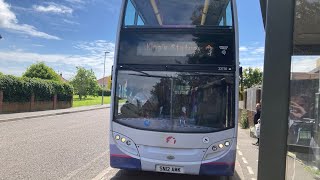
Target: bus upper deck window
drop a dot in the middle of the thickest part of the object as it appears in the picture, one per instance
(130, 14)
(177, 13)
(140, 21)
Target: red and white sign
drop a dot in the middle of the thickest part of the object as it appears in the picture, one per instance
(171, 140)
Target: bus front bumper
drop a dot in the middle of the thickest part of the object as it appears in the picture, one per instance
(221, 167)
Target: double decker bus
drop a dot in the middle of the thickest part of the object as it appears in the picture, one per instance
(175, 87)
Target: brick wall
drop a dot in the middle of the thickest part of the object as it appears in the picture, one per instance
(252, 96)
(16, 107)
(250, 115)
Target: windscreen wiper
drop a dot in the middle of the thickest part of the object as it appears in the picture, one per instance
(175, 68)
(134, 69)
(142, 72)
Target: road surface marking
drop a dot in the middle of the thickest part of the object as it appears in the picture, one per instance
(250, 170)
(237, 147)
(102, 174)
(253, 178)
(294, 168)
(86, 166)
(244, 160)
(240, 153)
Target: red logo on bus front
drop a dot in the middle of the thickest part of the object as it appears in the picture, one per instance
(171, 140)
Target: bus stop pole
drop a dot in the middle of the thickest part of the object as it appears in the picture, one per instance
(276, 89)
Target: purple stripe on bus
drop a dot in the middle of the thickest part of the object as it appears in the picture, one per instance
(125, 163)
(120, 160)
(120, 155)
(222, 169)
(220, 163)
(115, 150)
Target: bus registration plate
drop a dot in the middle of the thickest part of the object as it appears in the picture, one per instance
(169, 169)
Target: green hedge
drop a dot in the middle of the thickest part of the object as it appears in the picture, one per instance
(20, 89)
(105, 93)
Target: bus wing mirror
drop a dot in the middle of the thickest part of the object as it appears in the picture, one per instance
(240, 72)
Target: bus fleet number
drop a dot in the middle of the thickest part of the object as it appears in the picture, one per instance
(223, 68)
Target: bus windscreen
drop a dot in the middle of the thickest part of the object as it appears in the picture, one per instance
(175, 101)
(178, 13)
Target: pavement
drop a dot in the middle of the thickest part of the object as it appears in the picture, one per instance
(247, 155)
(65, 146)
(75, 146)
(30, 115)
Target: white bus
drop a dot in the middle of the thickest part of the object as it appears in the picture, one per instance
(175, 87)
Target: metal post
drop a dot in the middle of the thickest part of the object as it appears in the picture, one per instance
(171, 100)
(276, 89)
(104, 74)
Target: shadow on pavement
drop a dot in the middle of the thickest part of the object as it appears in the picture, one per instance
(137, 175)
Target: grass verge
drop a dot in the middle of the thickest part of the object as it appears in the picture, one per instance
(90, 101)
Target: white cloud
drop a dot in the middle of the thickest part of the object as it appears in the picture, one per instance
(243, 49)
(259, 50)
(304, 63)
(93, 59)
(76, 1)
(13, 70)
(9, 21)
(96, 47)
(252, 55)
(70, 22)
(38, 45)
(53, 8)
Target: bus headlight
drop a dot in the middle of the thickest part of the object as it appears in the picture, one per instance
(117, 137)
(214, 148)
(218, 149)
(227, 143)
(125, 144)
(123, 140)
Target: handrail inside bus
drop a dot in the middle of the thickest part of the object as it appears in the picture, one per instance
(205, 11)
(156, 11)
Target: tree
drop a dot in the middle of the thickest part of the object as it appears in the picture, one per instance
(85, 83)
(42, 71)
(251, 77)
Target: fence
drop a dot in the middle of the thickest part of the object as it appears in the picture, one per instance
(252, 96)
(32, 105)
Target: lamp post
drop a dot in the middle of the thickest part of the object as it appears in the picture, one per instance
(104, 73)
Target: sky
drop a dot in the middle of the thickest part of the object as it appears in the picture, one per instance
(66, 34)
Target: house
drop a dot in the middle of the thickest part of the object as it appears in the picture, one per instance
(63, 79)
(105, 82)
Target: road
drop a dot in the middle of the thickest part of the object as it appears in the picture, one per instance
(75, 146)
